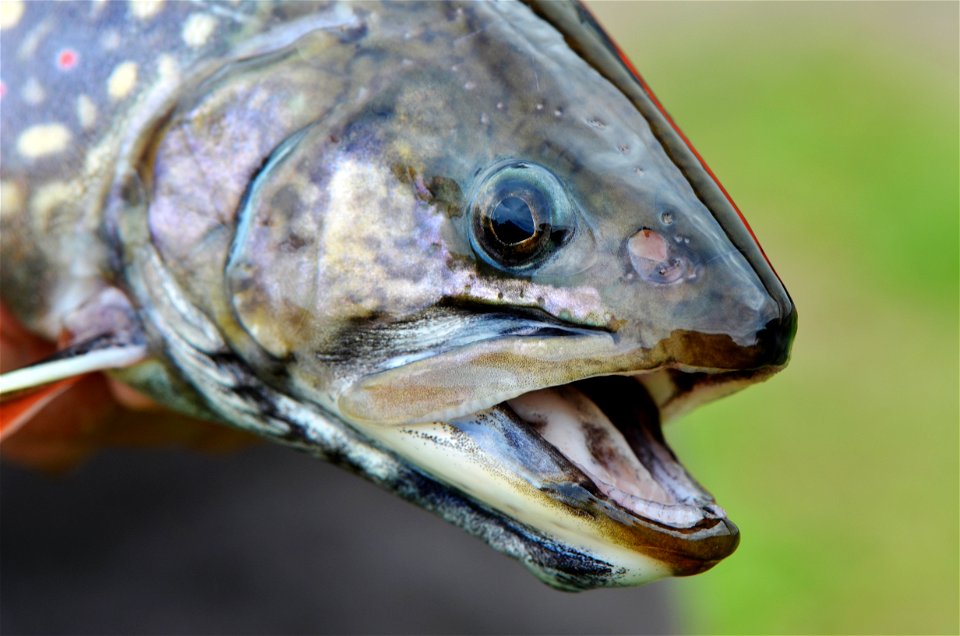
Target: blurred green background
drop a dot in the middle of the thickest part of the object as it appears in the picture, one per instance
(835, 128)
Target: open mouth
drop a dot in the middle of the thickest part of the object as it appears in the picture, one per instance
(608, 428)
(595, 449)
(579, 463)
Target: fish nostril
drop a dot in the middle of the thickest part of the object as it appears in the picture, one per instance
(646, 244)
(654, 260)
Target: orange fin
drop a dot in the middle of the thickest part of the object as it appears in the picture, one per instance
(86, 418)
(17, 411)
(25, 391)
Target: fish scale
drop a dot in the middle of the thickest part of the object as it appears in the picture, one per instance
(458, 248)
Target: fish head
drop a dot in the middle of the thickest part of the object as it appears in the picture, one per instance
(494, 263)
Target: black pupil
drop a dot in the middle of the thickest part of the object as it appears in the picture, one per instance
(512, 221)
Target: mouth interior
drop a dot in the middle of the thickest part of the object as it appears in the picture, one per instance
(609, 429)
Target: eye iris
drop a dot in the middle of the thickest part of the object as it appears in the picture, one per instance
(512, 221)
(519, 217)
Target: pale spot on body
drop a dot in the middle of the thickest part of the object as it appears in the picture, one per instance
(110, 40)
(167, 68)
(122, 80)
(33, 92)
(11, 197)
(197, 29)
(43, 140)
(86, 112)
(145, 9)
(99, 157)
(33, 39)
(49, 197)
(10, 13)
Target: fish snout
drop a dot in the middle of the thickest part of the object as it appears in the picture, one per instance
(751, 326)
(715, 308)
(774, 340)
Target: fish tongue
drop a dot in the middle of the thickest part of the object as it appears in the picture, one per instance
(631, 409)
(592, 441)
(574, 425)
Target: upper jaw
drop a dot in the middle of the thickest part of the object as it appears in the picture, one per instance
(452, 361)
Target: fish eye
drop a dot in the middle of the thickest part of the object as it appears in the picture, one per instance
(520, 215)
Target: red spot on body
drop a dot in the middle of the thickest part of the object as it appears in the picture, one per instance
(67, 59)
(3, 90)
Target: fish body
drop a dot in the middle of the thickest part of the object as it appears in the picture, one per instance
(457, 248)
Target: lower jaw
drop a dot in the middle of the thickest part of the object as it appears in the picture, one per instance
(502, 463)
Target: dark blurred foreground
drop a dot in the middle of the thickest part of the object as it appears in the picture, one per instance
(266, 541)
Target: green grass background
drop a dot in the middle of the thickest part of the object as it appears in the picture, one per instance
(835, 128)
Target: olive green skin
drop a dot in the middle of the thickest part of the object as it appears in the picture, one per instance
(293, 221)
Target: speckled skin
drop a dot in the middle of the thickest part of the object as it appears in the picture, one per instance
(283, 195)
(73, 76)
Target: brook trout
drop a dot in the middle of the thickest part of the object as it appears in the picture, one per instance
(458, 248)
